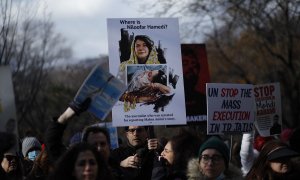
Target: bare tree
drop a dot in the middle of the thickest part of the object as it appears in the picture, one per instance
(31, 47)
(248, 41)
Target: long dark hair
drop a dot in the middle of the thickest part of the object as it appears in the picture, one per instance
(65, 165)
(261, 168)
(185, 146)
(146, 39)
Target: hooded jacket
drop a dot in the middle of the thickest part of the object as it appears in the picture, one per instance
(193, 172)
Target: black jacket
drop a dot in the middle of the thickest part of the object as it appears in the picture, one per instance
(55, 148)
(144, 172)
(53, 140)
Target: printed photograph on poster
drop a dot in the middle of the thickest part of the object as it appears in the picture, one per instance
(230, 108)
(195, 75)
(147, 86)
(134, 45)
(268, 109)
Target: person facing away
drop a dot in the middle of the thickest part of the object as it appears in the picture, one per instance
(142, 51)
(213, 162)
(135, 159)
(81, 162)
(275, 162)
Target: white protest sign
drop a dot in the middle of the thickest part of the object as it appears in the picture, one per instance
(230, 108)
(145, 54)
(268, 109)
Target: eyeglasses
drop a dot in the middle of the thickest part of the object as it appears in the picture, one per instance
(10, 157)
(138, 130)
(214, 159)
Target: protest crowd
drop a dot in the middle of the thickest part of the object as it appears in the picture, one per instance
(145, 156)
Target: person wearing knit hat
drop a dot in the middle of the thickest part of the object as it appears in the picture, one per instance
(31, 147)
(217, 144)
(213, 162)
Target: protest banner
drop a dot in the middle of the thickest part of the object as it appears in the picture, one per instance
(268, 109)
(144, 53)
(103, 88)
(230, 108)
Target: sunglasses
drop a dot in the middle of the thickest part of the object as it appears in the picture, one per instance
(10, 157)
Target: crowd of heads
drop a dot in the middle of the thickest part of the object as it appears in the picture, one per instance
(183, 155)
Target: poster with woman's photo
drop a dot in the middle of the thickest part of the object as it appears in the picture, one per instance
(145, 54)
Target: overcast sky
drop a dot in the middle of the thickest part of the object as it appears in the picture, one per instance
(83, 22)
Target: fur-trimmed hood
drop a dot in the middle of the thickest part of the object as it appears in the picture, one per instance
(193, 173)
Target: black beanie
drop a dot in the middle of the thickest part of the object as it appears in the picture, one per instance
(217, 144)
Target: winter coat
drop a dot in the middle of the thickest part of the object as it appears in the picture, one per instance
(193, 172)
(161, 171)
(147, 156)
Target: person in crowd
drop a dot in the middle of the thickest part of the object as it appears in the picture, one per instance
(41, 167)
(251, 145)
(56, 128)
(93, 135)
(274, 162)
(11, 165)
(7, 141)
(172, 164)
(98, 137)
(143, 51)
(213, 162)
(81, 162)
(31, 147)
(135, 159)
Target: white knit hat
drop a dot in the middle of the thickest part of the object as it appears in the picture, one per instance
(30, 143)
